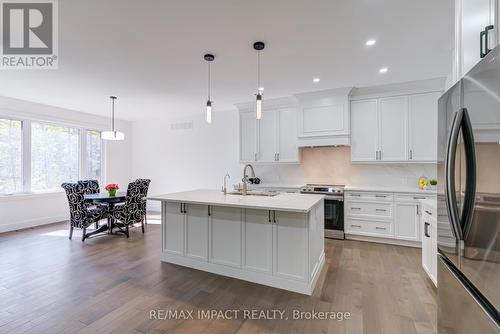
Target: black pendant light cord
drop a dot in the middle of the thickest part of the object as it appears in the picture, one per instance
(113, 98)
(258, 71)
(209, 81)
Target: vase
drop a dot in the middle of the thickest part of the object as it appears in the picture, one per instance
(112, 192)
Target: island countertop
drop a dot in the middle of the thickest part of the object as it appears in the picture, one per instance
(292, 202)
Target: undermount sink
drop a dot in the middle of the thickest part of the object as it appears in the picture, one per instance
(255, 193)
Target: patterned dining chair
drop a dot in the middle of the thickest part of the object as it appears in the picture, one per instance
(80, 215)
(91, 187)
(133, 210)
(144, 187)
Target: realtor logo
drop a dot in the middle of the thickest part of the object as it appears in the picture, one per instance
(29, 34)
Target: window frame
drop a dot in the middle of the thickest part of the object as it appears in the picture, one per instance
(26, 145)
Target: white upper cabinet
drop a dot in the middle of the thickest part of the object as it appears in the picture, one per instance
(271, 139)
(476, 26)
(267, 128)
(287, 150)
(323, 117)
(392, 133)
(248, 137)
(395, 129)
(364, 130)
(423, 127)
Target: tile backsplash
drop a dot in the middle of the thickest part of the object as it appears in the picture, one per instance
(333, 165)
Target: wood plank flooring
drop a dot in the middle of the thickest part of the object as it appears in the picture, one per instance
(49, 284)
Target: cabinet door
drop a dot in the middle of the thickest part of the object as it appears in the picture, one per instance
(197, 231)
(225, 236)
(423, 126)
(174, 228)
(290, 245)
(258, 240)
(393, 113)
(407, 221)
(476, 15)
(267, 128)
(433, 250)
(364, 131)
(287, 136)
(248, 137)
(426, 245)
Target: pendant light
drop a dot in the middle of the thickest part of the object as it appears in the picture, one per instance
(209, 58)
(113, 134)
(259, 46)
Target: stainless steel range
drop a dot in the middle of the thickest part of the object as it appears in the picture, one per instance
(334, 207)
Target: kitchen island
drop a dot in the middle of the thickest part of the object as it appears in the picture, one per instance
(271, 240)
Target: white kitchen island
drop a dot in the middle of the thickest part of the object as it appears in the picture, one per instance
(276, 241)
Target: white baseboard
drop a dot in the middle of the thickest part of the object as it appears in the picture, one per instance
(32, 223)
(407, 243)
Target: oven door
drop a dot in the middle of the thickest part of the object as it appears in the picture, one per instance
(334, 217)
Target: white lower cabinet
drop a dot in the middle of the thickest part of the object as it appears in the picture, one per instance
(407, 220)
(429, 243)
(291, 244)
(196, 231)
(225, 235)
(258, 240)
(277, 248)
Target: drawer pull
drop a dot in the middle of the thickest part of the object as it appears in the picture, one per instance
(355, 208)
(355, 195)
(381, 196)
(427, 212)
(383, 210)
(380, 228)
(415, 197)
(355, 225)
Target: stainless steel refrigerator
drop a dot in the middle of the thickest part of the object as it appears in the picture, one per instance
(469, 202)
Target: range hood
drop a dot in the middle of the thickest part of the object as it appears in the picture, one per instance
(323, 118)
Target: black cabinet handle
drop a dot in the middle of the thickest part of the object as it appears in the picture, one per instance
(482, 34)
(209, 213)
(426, 230)
(486, 48)
(274, 216)
(269, 213)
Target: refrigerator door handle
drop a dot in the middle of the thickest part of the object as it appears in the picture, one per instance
(470, 176)
(450, 191)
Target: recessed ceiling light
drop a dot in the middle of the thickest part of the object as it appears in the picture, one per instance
(370, 42)
(383, 70)
(316, 80)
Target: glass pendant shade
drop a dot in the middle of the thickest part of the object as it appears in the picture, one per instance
(258, 106)
(112, 135)
(209, 111)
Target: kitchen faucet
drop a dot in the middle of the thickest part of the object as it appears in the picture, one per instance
(224, 188)
(245, 178)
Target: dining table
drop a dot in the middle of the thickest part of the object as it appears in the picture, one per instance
(111, 201)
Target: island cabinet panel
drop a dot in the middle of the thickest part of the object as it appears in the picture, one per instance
(197, 231)
(258, 240)
(290, 245)
(225, 235)
(173, 228)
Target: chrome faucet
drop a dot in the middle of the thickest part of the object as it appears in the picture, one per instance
(224, 188)
(245, 178)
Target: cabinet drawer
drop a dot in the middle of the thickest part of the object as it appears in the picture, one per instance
(414, 197)
(368, 209)
(363, 227)
(369, 196)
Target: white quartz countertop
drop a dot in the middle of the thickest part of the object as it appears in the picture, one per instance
(281, 202)
(390, 190)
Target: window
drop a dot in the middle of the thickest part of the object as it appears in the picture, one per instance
(10, 156)
(54, 156)
(94, 155)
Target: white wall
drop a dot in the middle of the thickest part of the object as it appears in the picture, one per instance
(22, 211)
(199, 157)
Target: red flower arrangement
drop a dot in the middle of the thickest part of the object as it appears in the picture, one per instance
(112, 188)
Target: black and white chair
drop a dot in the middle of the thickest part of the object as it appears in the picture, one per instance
(91, 187)
(134, 209)
(81, 216)
(144, 187)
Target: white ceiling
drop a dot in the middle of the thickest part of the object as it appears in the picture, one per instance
(150, 53)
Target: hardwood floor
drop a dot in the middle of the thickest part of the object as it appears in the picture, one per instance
(49, 284)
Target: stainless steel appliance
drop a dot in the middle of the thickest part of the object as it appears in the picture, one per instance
(469, 203)
(334, 207)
